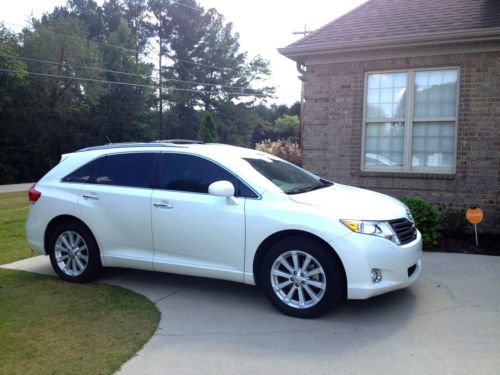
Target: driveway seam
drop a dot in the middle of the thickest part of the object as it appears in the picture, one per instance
(176, 292)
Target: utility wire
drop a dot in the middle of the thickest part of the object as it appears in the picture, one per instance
(68, 65)
(123, 83)
(124, 48)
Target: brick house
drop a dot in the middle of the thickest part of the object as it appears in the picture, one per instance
(403, 97)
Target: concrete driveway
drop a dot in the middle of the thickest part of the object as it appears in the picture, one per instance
(448, 322)
(15, 187)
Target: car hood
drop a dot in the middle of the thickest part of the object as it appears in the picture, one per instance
(348, 202)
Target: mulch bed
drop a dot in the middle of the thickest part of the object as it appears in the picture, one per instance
(465, 243)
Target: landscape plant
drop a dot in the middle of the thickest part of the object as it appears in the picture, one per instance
(427, 218)
(284, 149)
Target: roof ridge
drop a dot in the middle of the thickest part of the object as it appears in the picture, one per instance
(307, 37)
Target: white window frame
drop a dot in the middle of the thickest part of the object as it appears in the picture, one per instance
(408, 124)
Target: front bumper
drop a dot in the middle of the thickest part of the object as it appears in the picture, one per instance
(360, 253)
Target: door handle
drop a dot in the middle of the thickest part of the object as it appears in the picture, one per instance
(94, 197)
(163, 205)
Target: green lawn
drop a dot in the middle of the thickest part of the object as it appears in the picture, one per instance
(48, 326)
(13, 212)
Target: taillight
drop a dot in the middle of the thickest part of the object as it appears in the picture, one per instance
(33, 194)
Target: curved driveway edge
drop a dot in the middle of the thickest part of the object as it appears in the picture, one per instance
(448, 322)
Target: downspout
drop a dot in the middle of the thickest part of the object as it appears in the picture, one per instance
(302, 70)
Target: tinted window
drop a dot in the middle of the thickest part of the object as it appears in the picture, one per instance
(83, 174)
(134, 170)
(194, 174)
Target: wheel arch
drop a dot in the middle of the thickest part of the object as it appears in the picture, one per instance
(54, 223)
(278, 236)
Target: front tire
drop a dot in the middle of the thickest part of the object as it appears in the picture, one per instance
(74, 253)
(302, 278)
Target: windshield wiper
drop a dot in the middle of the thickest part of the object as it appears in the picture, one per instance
(307, 188)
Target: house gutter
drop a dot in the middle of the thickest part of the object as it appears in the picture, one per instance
(297, 52)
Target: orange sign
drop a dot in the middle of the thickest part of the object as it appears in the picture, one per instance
(474, 215)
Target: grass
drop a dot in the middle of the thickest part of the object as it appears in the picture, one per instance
(48, 326)
(52, 327)
(13, 212)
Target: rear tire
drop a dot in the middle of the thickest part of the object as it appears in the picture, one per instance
(74, 253)
(302, 277)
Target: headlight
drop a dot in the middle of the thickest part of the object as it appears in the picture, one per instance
(374, 228)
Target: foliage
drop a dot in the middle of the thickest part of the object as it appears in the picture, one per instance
(281, 123)
(75, 50)
(282, 148)
(208, 128)
(52, 327)
(427, 218)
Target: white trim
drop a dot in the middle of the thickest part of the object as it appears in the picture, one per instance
(460, 36)
(389, 53)
(408, 124)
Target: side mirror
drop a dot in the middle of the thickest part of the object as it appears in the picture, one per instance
(221, 189)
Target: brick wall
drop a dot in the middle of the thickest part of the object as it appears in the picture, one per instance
(333, 116)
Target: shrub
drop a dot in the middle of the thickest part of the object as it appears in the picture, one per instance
(284, 149)
(427, 219)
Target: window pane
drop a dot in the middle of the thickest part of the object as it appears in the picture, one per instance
(191, 173)
(433, 144)
(134, 170)
(386, 95)
(435, 93)
(83, 174)
(384, 144)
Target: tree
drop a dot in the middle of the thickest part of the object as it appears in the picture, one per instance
(288, 127)
(122, 112)
(208, 128)
(207, 69)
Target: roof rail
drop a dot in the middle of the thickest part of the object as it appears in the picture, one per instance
(180, 141)
(130, 144)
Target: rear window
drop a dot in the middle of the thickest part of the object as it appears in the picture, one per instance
(83, 174)
(132, 170)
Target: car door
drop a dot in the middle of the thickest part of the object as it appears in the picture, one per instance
(116, 205)
(194, 232)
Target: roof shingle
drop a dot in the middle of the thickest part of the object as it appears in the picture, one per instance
(378, 19)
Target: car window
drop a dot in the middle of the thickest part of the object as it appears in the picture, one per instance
(194, 174)
(133, 170)
(83, 174)
(288, 177)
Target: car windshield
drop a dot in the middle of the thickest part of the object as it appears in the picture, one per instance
(288, 177)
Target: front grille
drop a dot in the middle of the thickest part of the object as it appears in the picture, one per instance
(412, 269)
(405, 230)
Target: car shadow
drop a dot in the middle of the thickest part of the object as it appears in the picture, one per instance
(214, 310)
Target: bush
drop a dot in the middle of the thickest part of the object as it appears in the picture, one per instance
(427, 219)
(284, 149)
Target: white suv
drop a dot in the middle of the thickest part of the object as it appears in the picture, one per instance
(224, 212)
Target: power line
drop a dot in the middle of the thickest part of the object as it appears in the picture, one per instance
(74, 78)
(118, 72)
(128, 49)
(200, 64)
(68, 65)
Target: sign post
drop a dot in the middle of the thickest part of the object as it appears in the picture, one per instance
(474, 215)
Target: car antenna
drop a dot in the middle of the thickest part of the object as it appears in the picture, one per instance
(109, 140)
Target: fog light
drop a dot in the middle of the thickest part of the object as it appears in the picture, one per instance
(376, 275)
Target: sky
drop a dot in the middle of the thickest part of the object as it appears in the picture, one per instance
(263, 26)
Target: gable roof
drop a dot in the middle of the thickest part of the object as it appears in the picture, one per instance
(387, 22)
